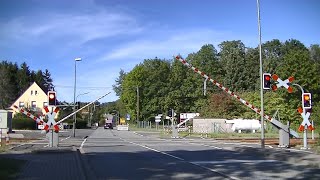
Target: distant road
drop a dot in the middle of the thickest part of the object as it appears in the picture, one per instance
(112, 154)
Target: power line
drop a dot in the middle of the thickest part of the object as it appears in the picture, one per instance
(85, 87)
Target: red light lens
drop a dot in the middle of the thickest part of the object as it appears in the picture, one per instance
(267, 78)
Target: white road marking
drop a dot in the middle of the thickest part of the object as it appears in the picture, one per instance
(83, 143)
(235, 161)
(181, 159)
(65, 138)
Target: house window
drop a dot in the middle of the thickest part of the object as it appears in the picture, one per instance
(21, 104)
(35, 92)
(45, 104)
(31, 92)
(33, 104)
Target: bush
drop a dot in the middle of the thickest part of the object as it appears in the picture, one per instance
(20, 121)
(81, 124)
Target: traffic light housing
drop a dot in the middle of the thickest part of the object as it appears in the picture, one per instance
(52, 98)
(170, 113)
(78, 105)
(306, 100)
(266, 80)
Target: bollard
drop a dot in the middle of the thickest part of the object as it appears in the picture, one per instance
(7, 138)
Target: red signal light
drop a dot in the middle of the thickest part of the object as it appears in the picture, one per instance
(266, 81)
(52, 98)
(306, 100)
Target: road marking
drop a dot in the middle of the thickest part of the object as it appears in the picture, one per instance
(83, 143)
(65, 138)
(138, 134)
(181, 159)
(215, 147)
(235, 161)
(153, 149)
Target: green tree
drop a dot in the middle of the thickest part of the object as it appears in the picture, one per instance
(118, 86)
(47, 81)
(232, 55)
(8, 83)
(24, 79)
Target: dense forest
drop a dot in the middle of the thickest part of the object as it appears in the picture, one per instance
(166, 83)
(15, 79)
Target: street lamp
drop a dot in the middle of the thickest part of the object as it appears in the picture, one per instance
(261, 76)
(75, 116)
(74, 94)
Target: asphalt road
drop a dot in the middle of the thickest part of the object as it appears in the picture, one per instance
(112, 154)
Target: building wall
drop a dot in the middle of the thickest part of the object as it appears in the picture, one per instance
(202, 125)
(34, 98)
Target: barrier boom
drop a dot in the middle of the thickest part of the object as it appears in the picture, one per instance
(63, 119)
(258, 111)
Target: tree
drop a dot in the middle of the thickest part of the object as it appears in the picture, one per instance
(118, 86)
(232, 55)
(315, 52)
(24, 79)
(272, 53)
(252, 72)
(47, 81)
(8, 83)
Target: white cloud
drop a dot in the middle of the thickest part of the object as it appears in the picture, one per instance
(75, 28)
(175, 42)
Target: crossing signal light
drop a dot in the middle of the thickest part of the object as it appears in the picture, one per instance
(266, 80)
(52, 98)
(170, 113)
(306, 100)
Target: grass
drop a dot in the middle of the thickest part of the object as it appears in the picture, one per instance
(10, 168)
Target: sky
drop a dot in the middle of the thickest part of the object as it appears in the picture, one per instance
(110, 35)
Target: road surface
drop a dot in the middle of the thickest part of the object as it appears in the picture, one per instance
(112, 154)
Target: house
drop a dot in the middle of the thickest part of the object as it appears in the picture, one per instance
(34, 99)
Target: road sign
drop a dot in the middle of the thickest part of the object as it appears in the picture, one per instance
(284, 83)
(122, 121)
(305, 121)
(128, 117)
(157, 119)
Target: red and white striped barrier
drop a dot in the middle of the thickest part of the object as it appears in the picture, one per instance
(51, 122)
(258, 111)
(27, 113)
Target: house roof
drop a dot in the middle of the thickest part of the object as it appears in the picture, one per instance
(33, 84)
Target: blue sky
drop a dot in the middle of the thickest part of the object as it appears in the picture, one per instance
(110, 35)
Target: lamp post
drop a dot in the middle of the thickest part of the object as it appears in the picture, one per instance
(75, 116)
(261, 78)
(74, 95)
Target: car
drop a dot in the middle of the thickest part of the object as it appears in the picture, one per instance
(108, 126)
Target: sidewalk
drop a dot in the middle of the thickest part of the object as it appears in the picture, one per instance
(52, 164)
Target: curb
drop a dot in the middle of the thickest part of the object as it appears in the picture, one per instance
(83, 164)
(80, 164)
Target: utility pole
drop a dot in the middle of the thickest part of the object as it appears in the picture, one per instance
(261, 78)
(137, 103)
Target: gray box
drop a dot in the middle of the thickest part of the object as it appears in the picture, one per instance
(5, 121)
